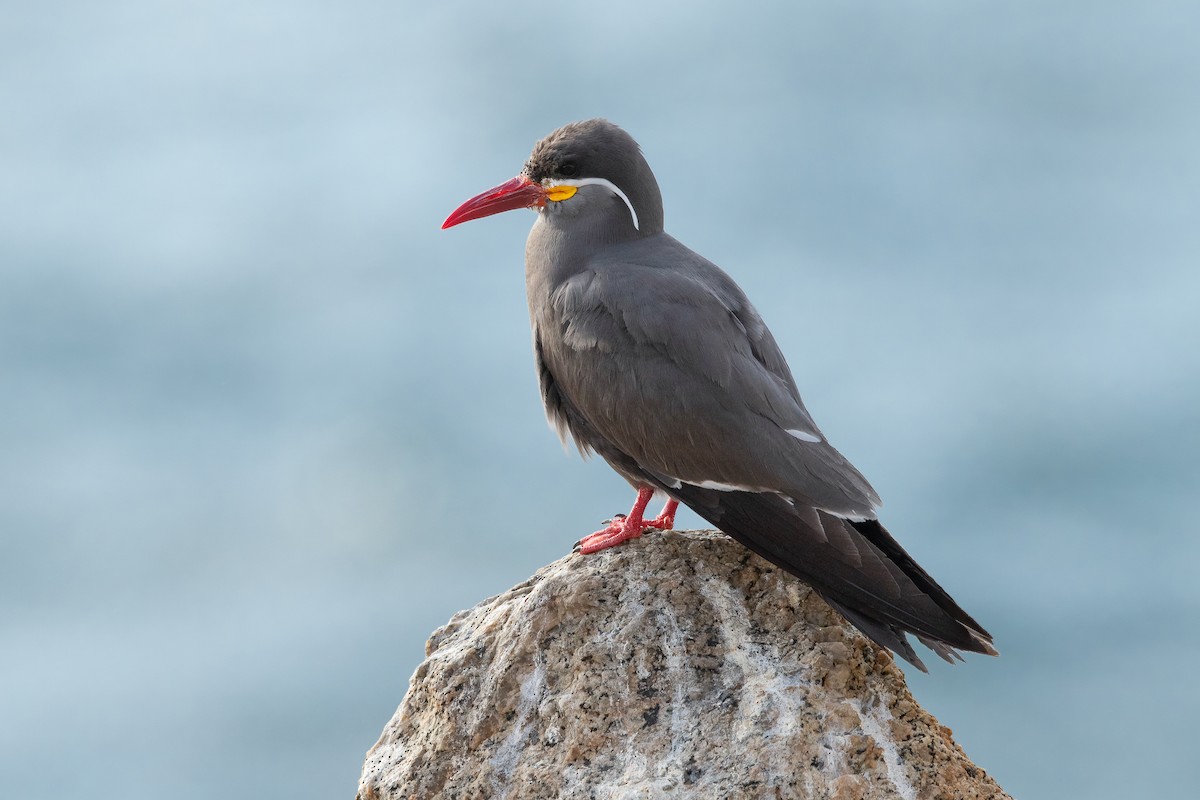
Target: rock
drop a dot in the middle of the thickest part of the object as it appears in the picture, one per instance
(676, 665)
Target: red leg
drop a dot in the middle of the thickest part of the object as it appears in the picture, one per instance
(622, 529)
(665, 521)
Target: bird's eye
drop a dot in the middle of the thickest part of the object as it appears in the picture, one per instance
(568, 169)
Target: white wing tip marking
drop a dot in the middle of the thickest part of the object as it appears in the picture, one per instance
(716, 486)
(850, 516)
(723, 487)
(802, 435)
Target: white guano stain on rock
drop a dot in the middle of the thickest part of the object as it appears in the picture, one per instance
(875, 724)
(677, 665)
(504, 760)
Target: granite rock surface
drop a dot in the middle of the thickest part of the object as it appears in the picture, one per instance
(676, 665)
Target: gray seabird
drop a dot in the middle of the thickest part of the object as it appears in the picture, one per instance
(651, 356)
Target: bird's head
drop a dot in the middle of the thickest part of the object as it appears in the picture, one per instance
(592, 172)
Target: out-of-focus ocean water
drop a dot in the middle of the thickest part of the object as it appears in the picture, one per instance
(264, 426)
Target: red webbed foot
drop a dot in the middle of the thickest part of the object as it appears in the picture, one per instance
(622, 528)
(666, 520)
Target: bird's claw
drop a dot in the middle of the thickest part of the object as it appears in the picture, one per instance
(618, 531)
(612, 526)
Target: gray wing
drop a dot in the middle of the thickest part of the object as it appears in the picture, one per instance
(676, 369)
(670, 375)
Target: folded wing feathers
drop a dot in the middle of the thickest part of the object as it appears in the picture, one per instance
(867, 578)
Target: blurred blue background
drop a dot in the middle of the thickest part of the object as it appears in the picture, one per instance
(264, 426)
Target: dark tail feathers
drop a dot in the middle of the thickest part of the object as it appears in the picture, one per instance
(857, 567)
